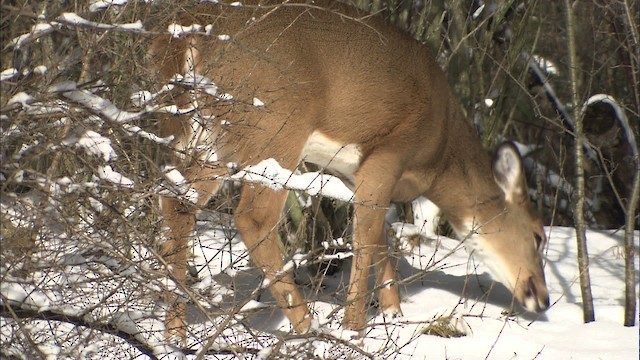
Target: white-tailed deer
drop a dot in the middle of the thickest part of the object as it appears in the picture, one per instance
(365, 102)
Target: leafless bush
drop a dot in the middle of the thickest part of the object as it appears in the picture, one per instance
(81, 163)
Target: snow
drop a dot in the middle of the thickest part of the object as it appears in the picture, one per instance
(62, 86)
(100, 146)
(97, 5)
(208, 29)
(96, 144)
(477, 12)
(96, 103)
(26, 294)
(21, 98)
(177, 30)
(72, 19)
(489, 333)
(76, 20)
(620, 115)
(143, 97)
(546, 65)
(269, 173)
(107, 173)
(179, 184)
(40, 70)
(8, 74)
(455, 289)
(37, 31)
(548, 336)
(196, 81)
(135, 130)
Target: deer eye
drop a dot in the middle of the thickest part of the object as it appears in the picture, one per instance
(539, 241)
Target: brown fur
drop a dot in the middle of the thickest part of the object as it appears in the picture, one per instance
(326, 67)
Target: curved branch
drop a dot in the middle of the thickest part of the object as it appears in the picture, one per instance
(8, 311)
(17, 312)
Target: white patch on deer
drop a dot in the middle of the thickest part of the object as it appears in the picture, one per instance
(392, 315)
(477, 246)
(531, 304)
(466, 228)
(343, 159)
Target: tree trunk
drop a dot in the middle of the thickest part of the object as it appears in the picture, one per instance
(578, 213)
(629, 253)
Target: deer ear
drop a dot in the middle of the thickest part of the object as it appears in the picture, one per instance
(509, 173)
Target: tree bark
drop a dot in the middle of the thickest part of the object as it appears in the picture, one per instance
(630, 304)
(578, 213)
(629, 253)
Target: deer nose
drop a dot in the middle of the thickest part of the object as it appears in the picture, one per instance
(533, 296)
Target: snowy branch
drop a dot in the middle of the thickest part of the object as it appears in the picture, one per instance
(270, 174)
(72, 19)
(18, 312)
(567, 120)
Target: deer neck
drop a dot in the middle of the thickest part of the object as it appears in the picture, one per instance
(465, 189)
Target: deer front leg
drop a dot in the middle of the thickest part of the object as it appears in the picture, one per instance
(388, 295)
(374, 182)
(369, 244)
(363, 252)
(257, 220)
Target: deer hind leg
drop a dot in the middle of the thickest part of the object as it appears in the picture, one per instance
(375, 180)
(257, 218)
(180, 217)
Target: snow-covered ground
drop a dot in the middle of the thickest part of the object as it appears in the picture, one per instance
(454, 288)
(557, 334)
(490, 333)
